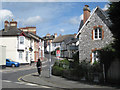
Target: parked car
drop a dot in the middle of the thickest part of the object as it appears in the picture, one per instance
(12, 63)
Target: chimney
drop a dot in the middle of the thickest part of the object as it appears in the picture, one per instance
(6, 23)
(60, 35)
(13, 24)
(86, 13)
(48, 34)
(55, 34)
(75, 35)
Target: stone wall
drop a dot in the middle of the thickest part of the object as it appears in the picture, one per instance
(87, 44)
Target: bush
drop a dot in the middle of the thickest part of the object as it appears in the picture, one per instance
(76, 60)
(56, 70)
(64, 64)
(59, 66)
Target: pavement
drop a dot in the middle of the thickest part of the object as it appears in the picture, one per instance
(56, 82)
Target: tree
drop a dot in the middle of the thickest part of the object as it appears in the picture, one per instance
(114, 15)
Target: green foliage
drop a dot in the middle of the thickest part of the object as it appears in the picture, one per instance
(56, 70)
(83, 69)
(59, 67)
(57, 49)
(76, 60)
(64, 64)
(114, 11)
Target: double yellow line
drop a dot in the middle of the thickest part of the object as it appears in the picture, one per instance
(19, 79)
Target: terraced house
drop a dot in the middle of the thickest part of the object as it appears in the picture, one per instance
(20, 46)
(94, 33)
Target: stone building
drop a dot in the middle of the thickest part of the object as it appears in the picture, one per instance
(94, 33)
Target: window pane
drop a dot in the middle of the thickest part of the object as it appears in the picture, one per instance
(21, 40)
(96, 34)
(100, 33)
(20, 55)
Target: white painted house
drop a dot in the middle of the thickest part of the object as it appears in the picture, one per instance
(20, 46)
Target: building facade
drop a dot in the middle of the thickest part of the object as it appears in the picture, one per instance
(20, 46)
(48, 42)
(94, 34)
(38, 50)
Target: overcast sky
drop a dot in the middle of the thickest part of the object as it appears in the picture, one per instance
(48, 17)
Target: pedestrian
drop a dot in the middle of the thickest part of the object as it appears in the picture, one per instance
(39, 67)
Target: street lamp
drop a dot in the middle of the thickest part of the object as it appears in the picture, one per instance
(49, 59)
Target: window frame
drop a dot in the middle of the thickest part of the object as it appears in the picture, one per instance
(23, 42)
(95, 56)
(20, 55)
(99, 32)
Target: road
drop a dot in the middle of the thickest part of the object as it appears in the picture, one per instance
(11, 78)
(11, 75)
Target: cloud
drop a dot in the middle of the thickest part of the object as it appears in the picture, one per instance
(62, 30)
(32, 20)
(5, 14)
(106, 7)
(74, 20)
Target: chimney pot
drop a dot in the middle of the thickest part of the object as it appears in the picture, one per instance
(55, 34)
(13, 24)
(6, 25)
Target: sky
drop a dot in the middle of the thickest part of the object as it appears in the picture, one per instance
(48, 17)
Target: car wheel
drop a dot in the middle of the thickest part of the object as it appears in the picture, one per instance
(13, 65)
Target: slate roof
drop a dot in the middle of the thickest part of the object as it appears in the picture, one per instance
(64, 38)
(16, 32)
(81, 24)
(10, 32)
(74, 40)
(49, 37)
(36, 35)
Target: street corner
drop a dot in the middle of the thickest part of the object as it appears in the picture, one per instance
(34, 78)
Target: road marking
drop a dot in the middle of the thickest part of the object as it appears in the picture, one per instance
(27, 83)
(20, 82)
(24, 83)
(31, 84)
(6, 81)
(45, 86)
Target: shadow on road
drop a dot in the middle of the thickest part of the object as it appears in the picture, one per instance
(35, 75)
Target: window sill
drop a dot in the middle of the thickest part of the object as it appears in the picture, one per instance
(97, 39)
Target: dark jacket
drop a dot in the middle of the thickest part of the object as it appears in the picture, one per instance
(39, 64)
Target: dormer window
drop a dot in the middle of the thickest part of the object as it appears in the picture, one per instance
(21, 38)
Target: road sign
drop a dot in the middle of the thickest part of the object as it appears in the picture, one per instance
(58, 53)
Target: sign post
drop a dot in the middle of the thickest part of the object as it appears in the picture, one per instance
(58, 54)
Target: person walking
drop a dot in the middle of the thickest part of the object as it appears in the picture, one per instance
(39, 67)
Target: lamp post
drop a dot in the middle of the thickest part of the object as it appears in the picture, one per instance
(49, 59)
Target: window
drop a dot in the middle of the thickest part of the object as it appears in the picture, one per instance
(95, 56)
(7, 60)
(21, 39)
(98, 34)
(27, 56)
(20, 55)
